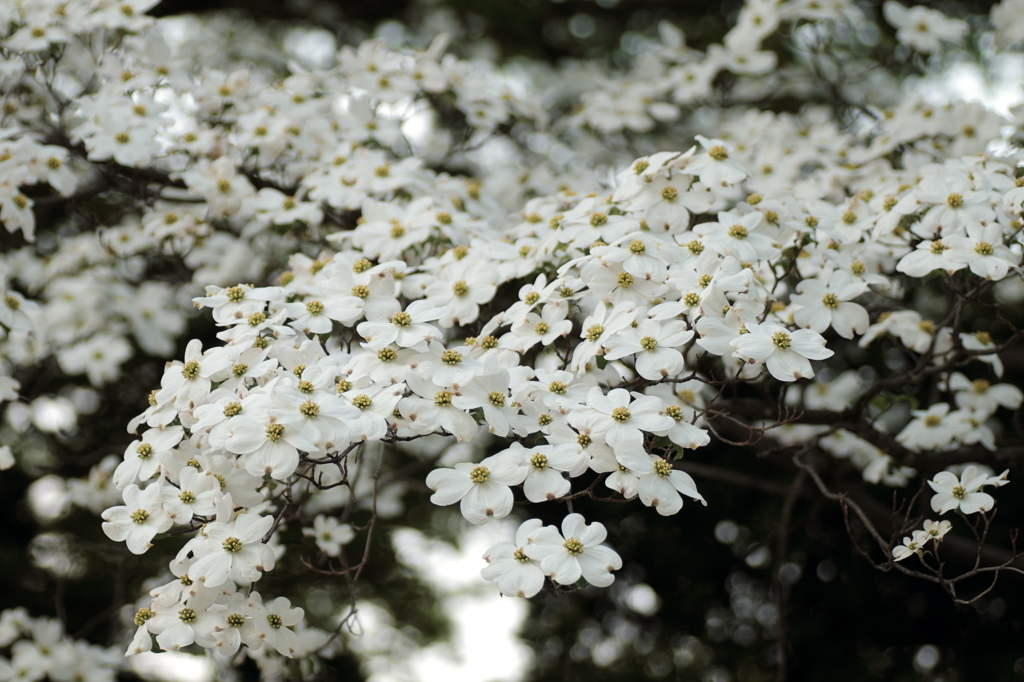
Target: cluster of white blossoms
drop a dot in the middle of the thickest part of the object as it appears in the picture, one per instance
(38, 648)
(550, 336)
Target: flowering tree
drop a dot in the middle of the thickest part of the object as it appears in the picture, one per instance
(593, 294)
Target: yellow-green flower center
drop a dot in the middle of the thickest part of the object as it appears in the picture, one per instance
(675, 412)
(275, 432)
(781, 340)
(191, 370)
